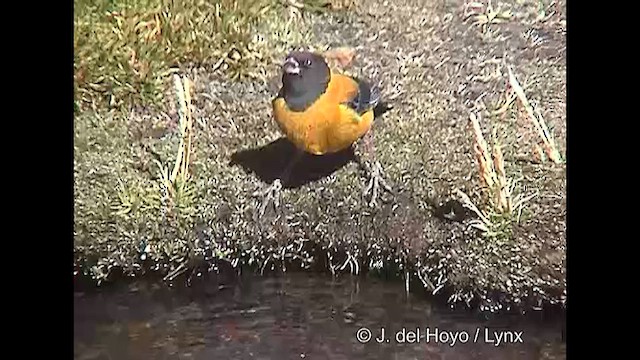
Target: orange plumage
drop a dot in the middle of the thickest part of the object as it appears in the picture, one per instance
(322, 112)
(330, 123)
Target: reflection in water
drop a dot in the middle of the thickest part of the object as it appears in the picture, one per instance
(298, 316)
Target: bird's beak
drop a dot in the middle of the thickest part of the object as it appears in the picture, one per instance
(291, 66)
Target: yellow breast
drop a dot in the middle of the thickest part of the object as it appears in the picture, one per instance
(327, 126)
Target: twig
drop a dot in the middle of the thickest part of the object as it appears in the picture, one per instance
(187, 92)
(537, 121)
(466, 202)
(179, 270)
(482, 153)
(266, 262)
(183, 91)
(425, 281)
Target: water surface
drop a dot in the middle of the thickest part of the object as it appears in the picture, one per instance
(296, 316)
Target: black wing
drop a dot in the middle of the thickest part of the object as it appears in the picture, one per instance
(367, 98)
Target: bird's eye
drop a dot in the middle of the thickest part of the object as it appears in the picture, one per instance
(307, 62)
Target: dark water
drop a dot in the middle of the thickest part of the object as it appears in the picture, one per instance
(297, 316)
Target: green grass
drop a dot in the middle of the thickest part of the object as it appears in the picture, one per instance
(128, 199)
(125, 50)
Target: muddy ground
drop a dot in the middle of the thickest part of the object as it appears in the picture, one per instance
(434, 67)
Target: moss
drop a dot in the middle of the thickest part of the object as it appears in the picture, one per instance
(434, 67)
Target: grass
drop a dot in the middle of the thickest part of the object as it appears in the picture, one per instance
(150, 213)
(140, 188)
(125, 50)
(155, 135)
(504, 206)
(485, 15)
(535, 116)
(175, 185)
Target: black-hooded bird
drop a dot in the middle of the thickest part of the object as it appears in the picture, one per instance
(323, 112)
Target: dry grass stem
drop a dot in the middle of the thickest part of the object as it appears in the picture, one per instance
(499, 187)
(177, 179)
(538, 121)
(487, 173)
(183, 89)
(484, 223)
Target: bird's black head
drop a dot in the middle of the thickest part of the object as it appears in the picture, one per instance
(305, 76)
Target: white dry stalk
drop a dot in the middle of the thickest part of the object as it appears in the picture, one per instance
(537, 121)
(492, 169)
(183, 92)
(188, 85)
(503, 190)
(175, 273)
(177, 83)
(487, 172)
(466, 202)
(519, 203)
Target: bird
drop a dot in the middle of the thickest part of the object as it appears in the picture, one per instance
(321, 112)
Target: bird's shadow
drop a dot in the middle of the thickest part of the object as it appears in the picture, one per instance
(269, 161)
